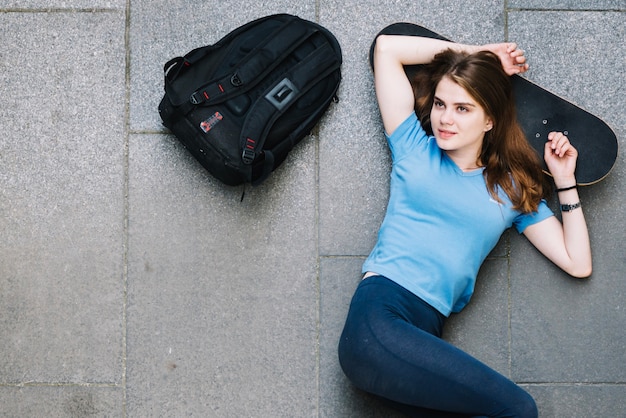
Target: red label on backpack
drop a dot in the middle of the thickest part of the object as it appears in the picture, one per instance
(208, 124)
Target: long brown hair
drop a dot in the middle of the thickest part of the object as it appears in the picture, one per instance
(510, 161)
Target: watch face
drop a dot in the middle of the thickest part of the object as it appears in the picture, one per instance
(568, 207)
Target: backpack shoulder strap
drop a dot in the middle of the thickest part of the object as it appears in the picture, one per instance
(277, 98)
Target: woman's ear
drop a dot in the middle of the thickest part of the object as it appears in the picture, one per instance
(488, 125)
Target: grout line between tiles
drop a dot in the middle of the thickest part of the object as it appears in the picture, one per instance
(126, 189)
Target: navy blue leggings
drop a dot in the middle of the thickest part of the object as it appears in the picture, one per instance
(391, 347)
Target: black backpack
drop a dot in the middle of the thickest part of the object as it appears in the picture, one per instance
(240, 105)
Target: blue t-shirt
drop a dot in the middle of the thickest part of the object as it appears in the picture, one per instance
(441, 222)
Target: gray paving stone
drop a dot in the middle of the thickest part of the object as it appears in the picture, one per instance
(354, 160)
(574, 54)
(222, 294)
(61, 401)
(482, 328)
(62, 197)
(56, 5)
(568, 4)
(339, 277)
(563, 329)
(164, 29)
(576, 401)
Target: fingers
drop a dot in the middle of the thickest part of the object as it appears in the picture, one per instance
(559, 145)
(517, 57)
(517, 69)
(522, 68)
(512, 58)
(516, 53)
(560, 157)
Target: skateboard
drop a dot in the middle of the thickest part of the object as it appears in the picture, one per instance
(540, 112)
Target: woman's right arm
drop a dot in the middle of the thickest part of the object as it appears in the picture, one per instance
(393, 89)
(392, 52)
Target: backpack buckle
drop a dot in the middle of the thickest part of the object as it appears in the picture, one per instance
(235, 80)
(247, 156)
(196, 98)
(248, 151)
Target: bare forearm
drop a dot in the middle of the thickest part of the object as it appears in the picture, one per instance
(410, 50)
(575, 232)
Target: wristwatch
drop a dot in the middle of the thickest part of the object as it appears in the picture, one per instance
(568, 207)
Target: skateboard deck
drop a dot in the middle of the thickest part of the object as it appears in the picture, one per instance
(540, 112)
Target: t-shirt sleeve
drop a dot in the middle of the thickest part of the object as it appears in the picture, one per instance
(524, 220)
(406, 137)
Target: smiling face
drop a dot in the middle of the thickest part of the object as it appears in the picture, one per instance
(459, 123)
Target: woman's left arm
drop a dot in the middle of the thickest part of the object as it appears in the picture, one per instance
(567, 244)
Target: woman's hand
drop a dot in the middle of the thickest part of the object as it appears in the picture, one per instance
(560, 156)
(512, 58)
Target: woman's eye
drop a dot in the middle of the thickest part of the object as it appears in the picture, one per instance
(462, 109)
(438, 103)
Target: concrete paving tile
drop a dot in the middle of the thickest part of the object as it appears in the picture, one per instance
(579, 401)
(222, 294)
(482, 328)
(61, 401)
(354, 160)
(164, 29)
(56, 5)
(563, 329)
(567, 4)
(339, 277)
(62, 197)
(574, 55)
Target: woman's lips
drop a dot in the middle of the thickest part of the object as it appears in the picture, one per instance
(446, 134)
